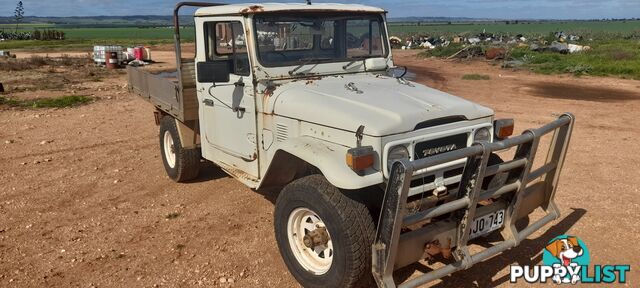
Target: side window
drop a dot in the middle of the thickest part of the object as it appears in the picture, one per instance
(226, 41)
(327, 37)
(364, 38)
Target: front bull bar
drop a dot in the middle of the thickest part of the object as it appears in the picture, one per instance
(388, 241)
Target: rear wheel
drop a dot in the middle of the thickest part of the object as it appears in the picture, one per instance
(181, 164)
(324, 236)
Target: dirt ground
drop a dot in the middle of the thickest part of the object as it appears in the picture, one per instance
(85, 202)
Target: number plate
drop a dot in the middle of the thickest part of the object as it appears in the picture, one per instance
(487, 223)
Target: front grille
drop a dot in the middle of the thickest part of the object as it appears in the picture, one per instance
(431, 178)
(441, 145)
(453, 173)
(422, 181)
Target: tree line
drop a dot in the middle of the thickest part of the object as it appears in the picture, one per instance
(47, 34)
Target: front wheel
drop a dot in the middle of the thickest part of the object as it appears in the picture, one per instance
(324, 236)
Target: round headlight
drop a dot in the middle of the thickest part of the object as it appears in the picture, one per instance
(482, 135)
(396, 153)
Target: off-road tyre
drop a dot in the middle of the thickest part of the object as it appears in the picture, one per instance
(348, 222)
(186, 162)
(498, 180)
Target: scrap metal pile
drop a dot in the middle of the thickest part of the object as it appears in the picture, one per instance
(6, 54)
(560, 42)
(118, 56)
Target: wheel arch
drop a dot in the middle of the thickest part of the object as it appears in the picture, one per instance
(189, 132)
(302, 156)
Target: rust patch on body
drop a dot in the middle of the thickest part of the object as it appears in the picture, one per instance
(253, 8)
(312, 79)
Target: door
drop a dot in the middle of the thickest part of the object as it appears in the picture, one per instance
(228, 112)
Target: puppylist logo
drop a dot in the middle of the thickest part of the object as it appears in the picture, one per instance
(566, 260)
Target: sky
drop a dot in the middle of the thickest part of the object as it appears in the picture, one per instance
(506, 9)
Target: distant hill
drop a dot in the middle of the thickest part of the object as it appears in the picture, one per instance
(438, 19)
(102, 21)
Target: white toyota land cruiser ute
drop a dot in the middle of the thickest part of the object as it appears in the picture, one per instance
(377, 172)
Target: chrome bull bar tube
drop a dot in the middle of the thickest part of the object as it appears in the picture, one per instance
(393, 249)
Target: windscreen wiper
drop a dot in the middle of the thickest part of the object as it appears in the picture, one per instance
(306, 61)
(346, 66)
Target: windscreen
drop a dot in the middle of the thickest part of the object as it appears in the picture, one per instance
(318, 38)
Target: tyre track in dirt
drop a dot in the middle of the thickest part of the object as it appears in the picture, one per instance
(84, 147)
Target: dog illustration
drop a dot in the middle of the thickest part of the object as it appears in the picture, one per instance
(566, 250)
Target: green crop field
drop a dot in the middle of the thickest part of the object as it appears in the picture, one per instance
(87, 37)
(528, 28)
(127, 33)
(22, 27)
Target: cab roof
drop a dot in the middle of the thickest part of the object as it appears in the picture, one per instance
(253, 8)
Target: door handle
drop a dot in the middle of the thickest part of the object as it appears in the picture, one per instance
(208, 102)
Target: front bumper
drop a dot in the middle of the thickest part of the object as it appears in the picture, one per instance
(524, 191)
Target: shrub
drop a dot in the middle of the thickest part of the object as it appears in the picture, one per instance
(442, 51)
(56, 102)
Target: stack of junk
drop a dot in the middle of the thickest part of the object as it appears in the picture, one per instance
(115, 56)
(6, 54)
(560, 43)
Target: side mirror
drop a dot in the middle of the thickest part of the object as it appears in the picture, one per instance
(373, 64)
(402, 73)
(398, 72)
(213, 71)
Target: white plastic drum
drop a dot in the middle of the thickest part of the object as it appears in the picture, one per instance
(99, 53)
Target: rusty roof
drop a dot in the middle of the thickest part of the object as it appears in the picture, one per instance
(252, 8)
